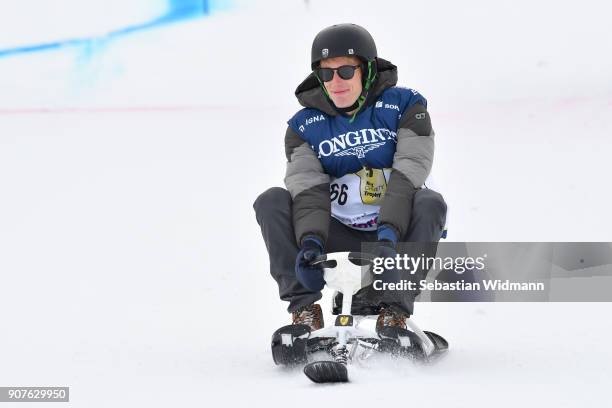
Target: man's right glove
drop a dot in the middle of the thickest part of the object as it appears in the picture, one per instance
(311, 277)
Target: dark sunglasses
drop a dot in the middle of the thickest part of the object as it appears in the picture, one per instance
(344, 72)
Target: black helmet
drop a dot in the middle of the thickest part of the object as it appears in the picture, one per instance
(343, 40)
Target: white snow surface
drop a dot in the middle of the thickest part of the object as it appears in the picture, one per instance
(133, 269)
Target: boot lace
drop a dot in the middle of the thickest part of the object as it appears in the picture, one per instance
(310, 315)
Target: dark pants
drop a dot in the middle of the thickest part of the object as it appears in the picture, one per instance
(274, 215)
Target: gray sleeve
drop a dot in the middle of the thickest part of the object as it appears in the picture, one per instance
(411, 165)
(308, 185)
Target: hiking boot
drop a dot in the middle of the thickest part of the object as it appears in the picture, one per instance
(390, 318)
(310, 315)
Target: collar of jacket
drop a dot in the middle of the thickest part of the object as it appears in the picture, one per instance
(310, 94)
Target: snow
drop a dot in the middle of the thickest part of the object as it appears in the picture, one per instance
(28, 22)
(133, 269)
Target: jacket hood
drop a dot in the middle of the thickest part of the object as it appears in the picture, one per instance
(310, 95)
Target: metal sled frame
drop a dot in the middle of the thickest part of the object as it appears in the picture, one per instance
(347, 277)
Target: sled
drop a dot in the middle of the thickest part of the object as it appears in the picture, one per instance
(346, 342)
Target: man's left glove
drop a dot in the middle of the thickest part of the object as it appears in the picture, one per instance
(311, 277)
(386, 248)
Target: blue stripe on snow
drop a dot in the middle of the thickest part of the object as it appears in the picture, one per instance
(177, 10)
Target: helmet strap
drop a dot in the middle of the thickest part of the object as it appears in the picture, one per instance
(366, 87)
(322, 85)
